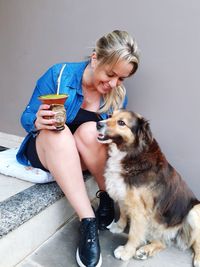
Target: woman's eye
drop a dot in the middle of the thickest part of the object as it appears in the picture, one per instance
(110, 75)
(121, 123)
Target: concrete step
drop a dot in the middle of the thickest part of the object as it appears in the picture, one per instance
(60, 249)
(10, 140)
(30, 213)
(30, 217)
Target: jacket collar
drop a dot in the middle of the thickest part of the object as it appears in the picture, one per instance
(73, 75)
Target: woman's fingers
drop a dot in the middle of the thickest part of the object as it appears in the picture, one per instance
(45, 118)
(48, 124)
(46, 127)
(44, 110)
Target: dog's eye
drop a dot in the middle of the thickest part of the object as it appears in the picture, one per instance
(121, 123)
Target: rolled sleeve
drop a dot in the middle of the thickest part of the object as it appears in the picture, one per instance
(45, 85)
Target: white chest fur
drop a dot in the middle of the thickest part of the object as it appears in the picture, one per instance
(115, 184)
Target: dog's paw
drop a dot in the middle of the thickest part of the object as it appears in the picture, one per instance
(196, 261)
(115, 228)
(122, 253)
(141, 254)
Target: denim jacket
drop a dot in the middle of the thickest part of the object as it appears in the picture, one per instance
(70, 83)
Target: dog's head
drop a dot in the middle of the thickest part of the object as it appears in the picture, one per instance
(125, 129)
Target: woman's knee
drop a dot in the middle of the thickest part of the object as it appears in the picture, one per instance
(54, 139)
(87, 134)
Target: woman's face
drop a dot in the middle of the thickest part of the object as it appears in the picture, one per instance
(106, 77)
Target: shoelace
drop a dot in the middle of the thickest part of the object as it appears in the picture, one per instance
(98, 193)
(106, 203)
(91, 232)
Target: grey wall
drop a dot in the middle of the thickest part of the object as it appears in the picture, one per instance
(36, 34)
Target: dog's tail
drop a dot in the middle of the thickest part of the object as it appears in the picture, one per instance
(190, 232)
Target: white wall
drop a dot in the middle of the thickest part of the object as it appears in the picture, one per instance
(36, 34)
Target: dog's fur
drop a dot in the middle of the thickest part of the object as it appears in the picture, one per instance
(160, 207)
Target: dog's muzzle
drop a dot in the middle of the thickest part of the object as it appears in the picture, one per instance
(100, 125)
(101, 128)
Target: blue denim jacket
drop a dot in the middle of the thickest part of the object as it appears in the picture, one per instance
(70, 83)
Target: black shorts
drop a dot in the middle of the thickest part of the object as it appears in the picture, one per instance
(82, 117)
(32, 156)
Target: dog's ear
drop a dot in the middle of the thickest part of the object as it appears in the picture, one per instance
(143, 131)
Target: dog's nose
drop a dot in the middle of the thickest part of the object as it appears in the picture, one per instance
(99, 125)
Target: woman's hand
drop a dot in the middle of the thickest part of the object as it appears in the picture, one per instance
(45, 118)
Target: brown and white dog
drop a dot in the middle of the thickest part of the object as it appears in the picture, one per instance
(161, 209)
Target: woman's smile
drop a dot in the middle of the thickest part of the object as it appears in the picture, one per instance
(106, 86)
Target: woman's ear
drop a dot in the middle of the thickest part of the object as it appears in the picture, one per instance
(93, 60)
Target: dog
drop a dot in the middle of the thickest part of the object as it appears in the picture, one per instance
(152, 196)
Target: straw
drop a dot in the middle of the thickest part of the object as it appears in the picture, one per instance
(59, 79)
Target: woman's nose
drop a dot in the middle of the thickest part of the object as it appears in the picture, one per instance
(113, 82)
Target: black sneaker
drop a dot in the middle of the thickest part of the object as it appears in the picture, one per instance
(105, 213)
(88, 253)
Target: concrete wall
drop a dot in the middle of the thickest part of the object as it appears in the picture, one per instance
(36, 34)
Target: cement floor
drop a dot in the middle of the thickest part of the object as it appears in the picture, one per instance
(59, 251)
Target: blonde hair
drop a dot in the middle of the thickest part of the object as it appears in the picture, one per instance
(112, 47)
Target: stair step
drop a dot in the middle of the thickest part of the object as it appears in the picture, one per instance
(30, 217)
(10, 186)
(10, 140)
(30, 213)
(60, 250)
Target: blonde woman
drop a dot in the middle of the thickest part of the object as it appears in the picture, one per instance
(95, 89)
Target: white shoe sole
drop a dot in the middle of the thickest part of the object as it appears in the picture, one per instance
(110, 225)
(80, 264)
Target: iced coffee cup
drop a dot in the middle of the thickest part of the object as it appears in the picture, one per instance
(56, 102)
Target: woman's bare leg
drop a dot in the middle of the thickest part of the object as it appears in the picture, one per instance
(58, 153)
(92, 153)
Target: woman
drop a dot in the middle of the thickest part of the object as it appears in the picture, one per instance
(95, 89)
